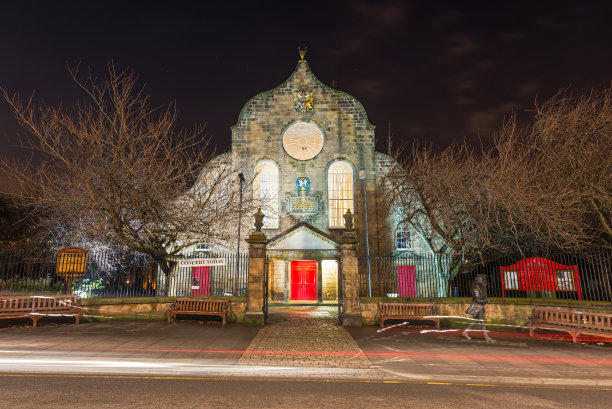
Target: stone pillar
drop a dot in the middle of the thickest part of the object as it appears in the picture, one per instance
(351, 311)
(257, 264)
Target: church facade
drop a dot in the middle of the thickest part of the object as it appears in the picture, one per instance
(310, 151)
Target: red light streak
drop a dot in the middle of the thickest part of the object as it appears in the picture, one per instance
(382, 354)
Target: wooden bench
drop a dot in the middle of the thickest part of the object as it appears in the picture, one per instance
(192, 306)
(402, 311)
(573, 322)
(37, 307)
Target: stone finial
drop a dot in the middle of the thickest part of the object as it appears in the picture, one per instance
(302, 54)
(259, 216)
(348, 219)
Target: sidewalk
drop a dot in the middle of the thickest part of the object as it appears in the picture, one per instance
(301, 342)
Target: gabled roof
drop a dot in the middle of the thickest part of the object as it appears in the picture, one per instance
(302, 65)
(302, 236)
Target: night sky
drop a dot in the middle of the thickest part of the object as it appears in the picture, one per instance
(429, 70)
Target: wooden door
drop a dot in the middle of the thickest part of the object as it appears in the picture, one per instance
(304, 280)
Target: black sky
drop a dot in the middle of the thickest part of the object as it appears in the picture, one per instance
(434, 71)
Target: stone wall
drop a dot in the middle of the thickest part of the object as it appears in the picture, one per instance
(348, 135)
(504, 313)
(155, 308)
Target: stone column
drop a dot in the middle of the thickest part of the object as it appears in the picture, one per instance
(257, 264)
(351, 311)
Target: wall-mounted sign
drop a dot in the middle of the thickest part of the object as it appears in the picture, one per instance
(201, 262)
(304, 208)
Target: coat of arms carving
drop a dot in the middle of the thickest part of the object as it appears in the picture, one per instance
(303, 185)
(302, 99)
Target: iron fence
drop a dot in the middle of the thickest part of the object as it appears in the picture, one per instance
(561, 276)
(218, 280)
(33, 271)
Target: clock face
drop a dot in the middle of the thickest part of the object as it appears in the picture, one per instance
(303, 140)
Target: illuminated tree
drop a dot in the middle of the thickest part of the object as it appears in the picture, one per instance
(118, 168)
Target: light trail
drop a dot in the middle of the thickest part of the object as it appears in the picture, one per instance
(401, 354)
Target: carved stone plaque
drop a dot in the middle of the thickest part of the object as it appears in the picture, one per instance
(303, 208)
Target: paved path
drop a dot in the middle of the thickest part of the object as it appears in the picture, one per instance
(301, 342)
(424, 354)
(307, 337)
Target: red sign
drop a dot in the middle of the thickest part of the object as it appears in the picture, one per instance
(540, 274)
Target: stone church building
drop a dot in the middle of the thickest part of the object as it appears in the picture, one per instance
(310, 151)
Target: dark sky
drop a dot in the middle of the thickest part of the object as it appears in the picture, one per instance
(434, 71)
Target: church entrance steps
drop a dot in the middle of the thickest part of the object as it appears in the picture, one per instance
(304, 336)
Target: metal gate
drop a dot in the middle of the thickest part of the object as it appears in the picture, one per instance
(339, 291)
(265, 289)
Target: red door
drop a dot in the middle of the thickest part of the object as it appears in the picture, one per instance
(200, 278)
(406, 281)
(304, 280)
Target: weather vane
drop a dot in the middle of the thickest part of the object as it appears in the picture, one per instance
(302, 53)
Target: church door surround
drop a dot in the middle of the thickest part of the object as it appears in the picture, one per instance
(304, 280)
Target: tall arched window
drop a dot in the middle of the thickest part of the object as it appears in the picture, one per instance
(265, 192)
(403, 236)
(340, 191)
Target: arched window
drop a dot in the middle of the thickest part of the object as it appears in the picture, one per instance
(265, 192)
(340, 191)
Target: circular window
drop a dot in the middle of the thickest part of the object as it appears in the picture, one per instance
(303, 140)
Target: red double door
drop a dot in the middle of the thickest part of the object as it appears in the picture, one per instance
(304, 280)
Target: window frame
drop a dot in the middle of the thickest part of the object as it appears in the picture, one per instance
(565, 280)
(514, 280)
(331, 218)
(271, 210)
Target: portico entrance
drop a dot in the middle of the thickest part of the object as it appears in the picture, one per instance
(303, 266)
(304, 280)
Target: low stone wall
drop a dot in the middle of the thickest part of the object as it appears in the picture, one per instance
(150, 308)
(498, 311)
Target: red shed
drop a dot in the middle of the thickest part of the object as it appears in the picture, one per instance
(540, 274)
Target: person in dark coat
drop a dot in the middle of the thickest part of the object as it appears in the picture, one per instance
(477, 308)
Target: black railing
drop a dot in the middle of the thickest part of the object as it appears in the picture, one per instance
(32, 271)
(562, 276)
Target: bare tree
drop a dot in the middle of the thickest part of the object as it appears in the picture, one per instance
(572, 137)
(117, 167)
(545, 187)
(433, 194)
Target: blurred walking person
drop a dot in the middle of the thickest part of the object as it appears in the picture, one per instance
(477, 308)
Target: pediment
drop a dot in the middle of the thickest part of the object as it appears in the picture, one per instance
(302, 237)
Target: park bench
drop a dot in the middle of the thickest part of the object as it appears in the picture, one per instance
(407, 311)
(37, 307)
(192, 306)
(575, 323)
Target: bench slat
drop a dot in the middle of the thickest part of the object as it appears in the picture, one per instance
(573, 322)
(198, 307)
(408, 311)
(36, 307)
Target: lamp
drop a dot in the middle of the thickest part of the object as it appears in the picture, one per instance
(241, 181)
(362, 176)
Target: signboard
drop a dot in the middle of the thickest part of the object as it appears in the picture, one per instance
(201, 262)
(71, 262)
(303, 204)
